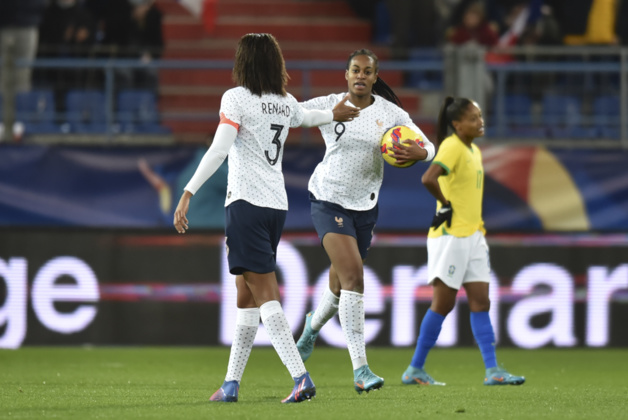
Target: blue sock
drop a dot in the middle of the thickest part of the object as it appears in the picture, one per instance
(430, 329)
(485, 337)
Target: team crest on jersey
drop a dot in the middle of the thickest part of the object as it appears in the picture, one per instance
(339, 221)
(452, 269)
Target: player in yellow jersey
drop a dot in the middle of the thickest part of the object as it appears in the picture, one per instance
(457, 251)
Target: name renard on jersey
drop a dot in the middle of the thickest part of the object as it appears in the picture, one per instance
(274, 108)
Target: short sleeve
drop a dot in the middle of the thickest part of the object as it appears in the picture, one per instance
(447, 156)
(230, 106)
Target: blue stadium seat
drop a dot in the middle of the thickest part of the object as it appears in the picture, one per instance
(563, 117)
(36, 110)
(86, 111)
(606, 116)
(518, 121)
(425, 79)
(138, 113)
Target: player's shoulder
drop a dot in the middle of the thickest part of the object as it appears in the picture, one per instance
(389, 107)
(323, 102)
(235, 93)
(449, 145)
(333, 98)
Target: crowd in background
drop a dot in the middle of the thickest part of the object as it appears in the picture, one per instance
(132, 29)
(433, 23)
(129, 29)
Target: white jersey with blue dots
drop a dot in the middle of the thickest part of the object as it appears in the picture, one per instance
(352, 170)
(255, 173)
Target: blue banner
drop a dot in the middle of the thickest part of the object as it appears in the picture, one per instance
(527, 189)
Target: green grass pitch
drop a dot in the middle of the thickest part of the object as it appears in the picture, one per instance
(175, 383)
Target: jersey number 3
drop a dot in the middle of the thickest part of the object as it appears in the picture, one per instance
(277, 129)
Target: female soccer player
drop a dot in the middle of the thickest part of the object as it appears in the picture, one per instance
(457, 251)
(344, 191)
(254, 122)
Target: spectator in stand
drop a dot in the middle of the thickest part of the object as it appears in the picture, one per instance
(67, 30)
(544, 30)
(19, 23)
(413, 25)
(130, 29)
(470, 25)
(146, 40)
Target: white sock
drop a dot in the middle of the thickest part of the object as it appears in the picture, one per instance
(247, 323)
(281, 337)
(327, 308)
(351, 314)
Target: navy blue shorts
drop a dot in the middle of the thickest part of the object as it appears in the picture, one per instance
(329, 217)
(252, 234)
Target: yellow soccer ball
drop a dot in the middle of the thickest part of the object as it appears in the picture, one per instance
(394, 136)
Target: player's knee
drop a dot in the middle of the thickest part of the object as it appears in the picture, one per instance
(479, 305)
(353, 282)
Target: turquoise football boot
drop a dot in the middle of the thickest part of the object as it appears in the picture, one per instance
(417, 376)
(365, 380)
(499, 376)
(305, 345)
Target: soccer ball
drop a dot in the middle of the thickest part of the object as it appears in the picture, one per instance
(394, 136)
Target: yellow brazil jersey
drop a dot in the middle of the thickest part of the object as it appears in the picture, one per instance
(462, 185)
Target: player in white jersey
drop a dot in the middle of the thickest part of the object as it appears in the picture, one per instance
(254, 122)
(344, 192)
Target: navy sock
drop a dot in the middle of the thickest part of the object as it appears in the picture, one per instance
(485, 337)
(430, 329)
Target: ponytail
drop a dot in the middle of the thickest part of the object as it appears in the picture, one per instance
(452, 110)
(382, 89)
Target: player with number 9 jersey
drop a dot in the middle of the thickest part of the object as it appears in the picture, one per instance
(352, 170)
(344, 191)
(254, 122)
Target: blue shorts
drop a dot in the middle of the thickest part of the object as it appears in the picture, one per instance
(329, 217)
(252, 234)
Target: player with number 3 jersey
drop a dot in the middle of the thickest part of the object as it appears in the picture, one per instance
(254, 122)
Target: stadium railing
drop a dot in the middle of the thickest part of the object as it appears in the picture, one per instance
(529, 94)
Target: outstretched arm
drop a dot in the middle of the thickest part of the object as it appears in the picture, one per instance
(215, 155)
(341, 113)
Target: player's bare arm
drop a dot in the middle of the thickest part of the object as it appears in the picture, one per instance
(430, 181)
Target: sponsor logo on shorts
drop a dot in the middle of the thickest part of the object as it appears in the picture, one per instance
(226, 246)
(339, 221)
(451, 271)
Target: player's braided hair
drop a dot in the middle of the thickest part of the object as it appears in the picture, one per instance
(380, 87)
(259, 65)
(452, 110)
